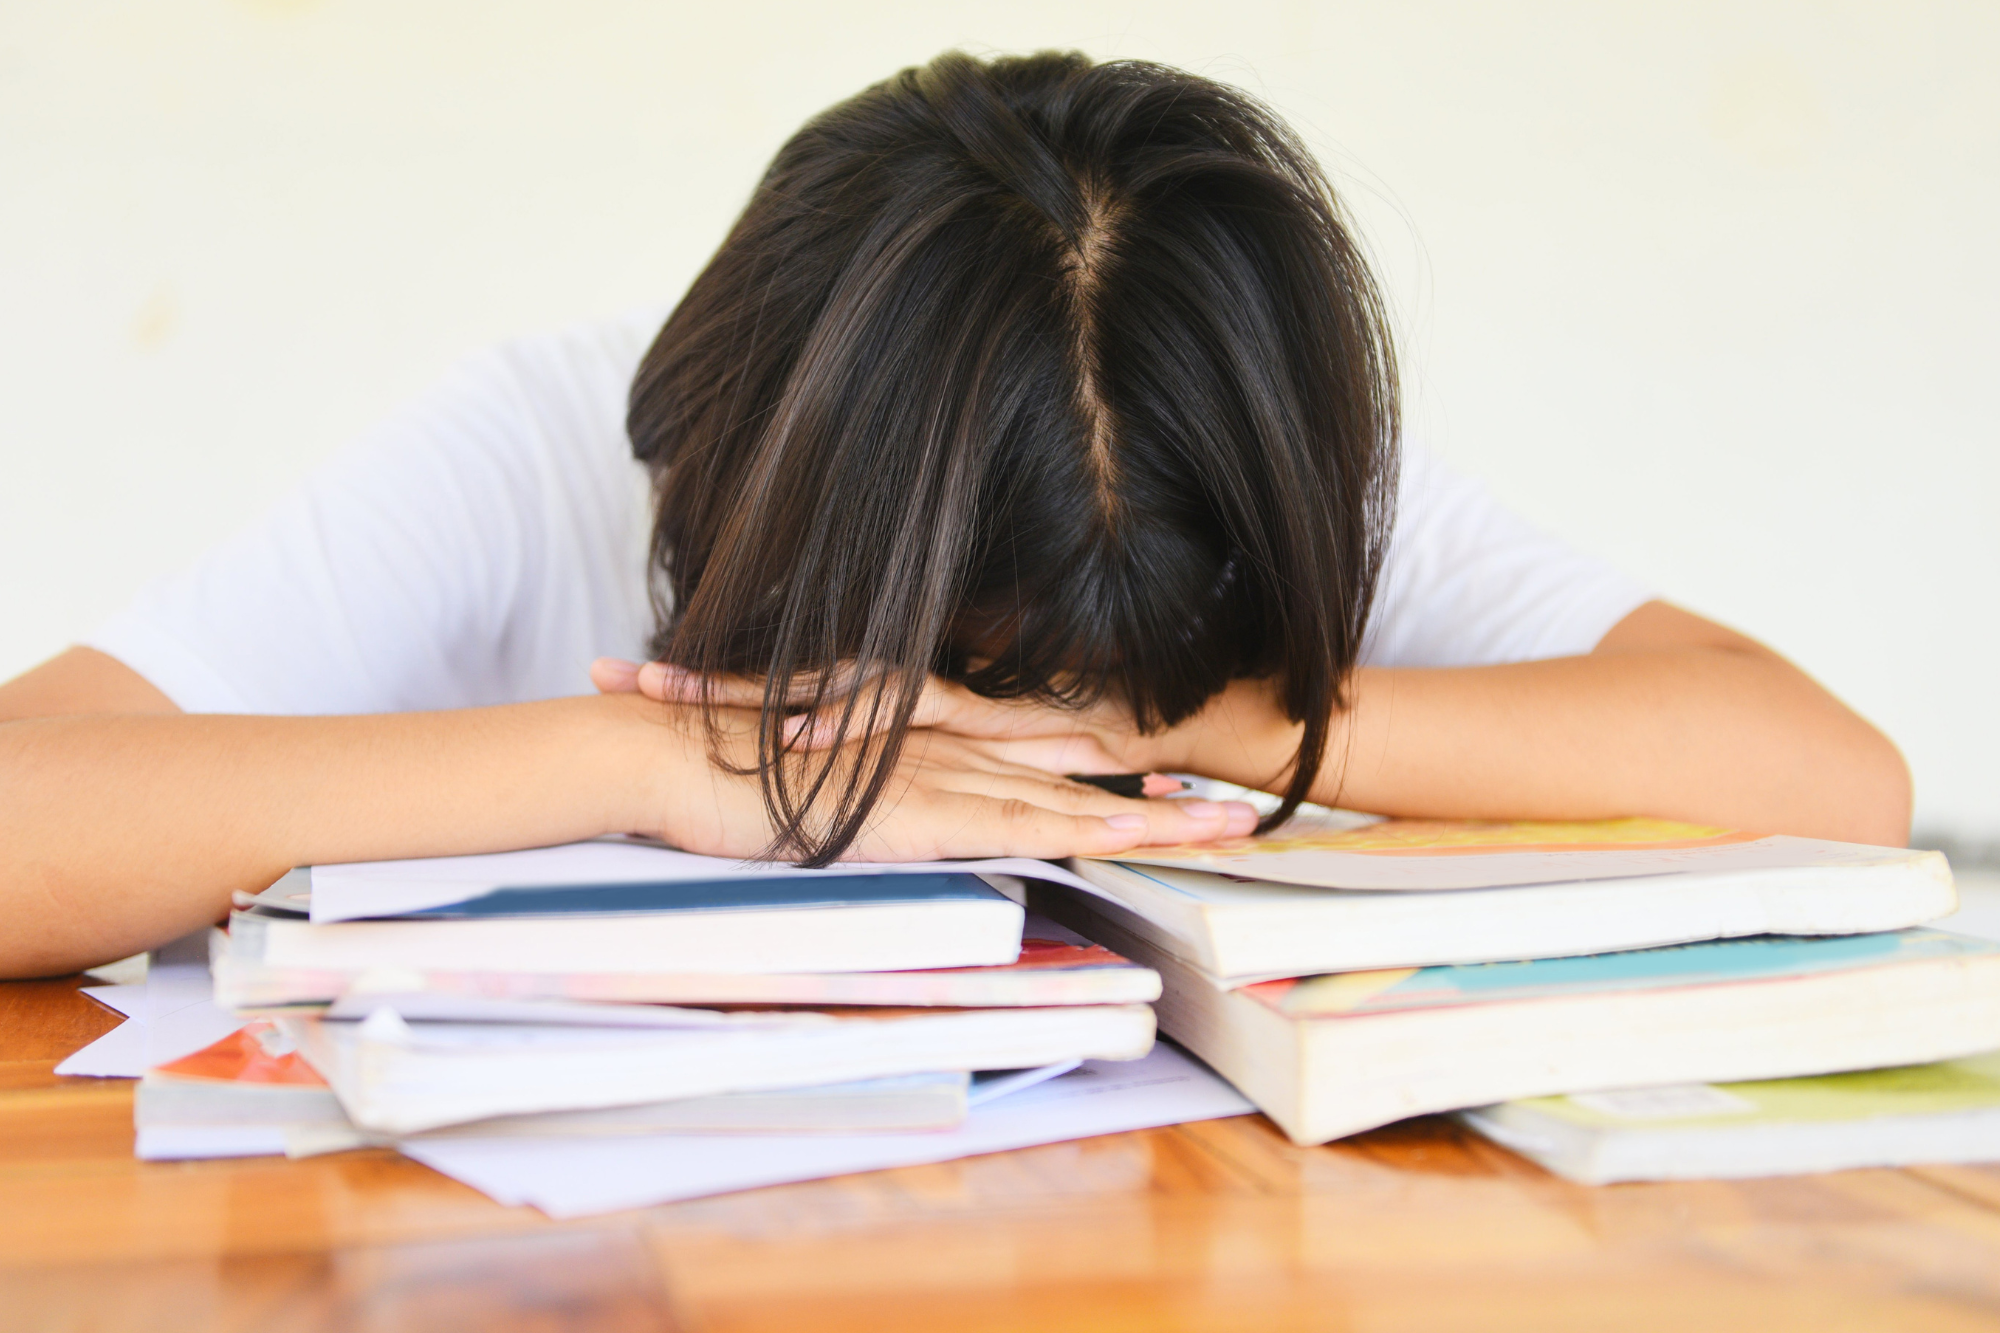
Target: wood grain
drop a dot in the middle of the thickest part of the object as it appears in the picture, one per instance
(41, 1022)
(1222, 1225)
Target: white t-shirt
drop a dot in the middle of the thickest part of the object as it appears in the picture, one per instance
(487, 542)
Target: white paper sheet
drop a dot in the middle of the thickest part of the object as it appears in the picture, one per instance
(574, 1178)
(173, 1015)
(991, 1087)
(126, 999)
(119, 1053)
(388, 888)
(179, 1143)
(438, 1007)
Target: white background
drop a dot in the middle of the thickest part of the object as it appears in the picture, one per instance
(1710, 288)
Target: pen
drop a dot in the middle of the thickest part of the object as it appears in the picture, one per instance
(1134, 785)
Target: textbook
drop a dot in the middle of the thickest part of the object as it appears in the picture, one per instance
(1335, 849)
(380, 889)
(251, 1094)
(1055, 966)
(1943, 1112)
(846, 923)
(1421, 892)
(397, 1077)
(1327, 1056)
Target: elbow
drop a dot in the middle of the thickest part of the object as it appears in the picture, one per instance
(1874, 799)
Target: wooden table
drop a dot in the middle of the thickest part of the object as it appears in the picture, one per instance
(1222, 1225)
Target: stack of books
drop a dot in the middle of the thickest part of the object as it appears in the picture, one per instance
(1346, 973)
(1620, 1000)
(599, 990)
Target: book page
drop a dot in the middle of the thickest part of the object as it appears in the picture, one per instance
(1478, 854)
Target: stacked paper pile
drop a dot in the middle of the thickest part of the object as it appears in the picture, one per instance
(1346, 973)
(621, 998)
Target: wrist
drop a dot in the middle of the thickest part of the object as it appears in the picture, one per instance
(1242, 736)
(653, 756)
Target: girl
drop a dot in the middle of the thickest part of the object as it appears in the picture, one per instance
(1037, 417)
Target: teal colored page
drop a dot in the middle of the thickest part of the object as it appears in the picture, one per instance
(1756, 957)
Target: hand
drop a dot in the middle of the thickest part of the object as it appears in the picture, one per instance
(1242, 736)
(950, 796)
(1098, 739)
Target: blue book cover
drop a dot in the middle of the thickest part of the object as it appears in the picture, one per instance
(1711, 962)
(717, 895)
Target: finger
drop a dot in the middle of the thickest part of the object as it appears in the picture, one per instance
(1166, 821)
(614, 675)
(670, 683)
(1053, 754)
(949, 706)
(957, 825)
(1047, 759)
(944, 705)
(829, 726)
(1243, 819)
(1239, 818)
(677, 685)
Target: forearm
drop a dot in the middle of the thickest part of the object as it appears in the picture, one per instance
(119, 831)
(1712, 736)
(1721, 736)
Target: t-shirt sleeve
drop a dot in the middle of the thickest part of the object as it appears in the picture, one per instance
(425, 565)
(1468, 583)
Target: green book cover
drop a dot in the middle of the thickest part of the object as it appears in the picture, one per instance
(1945, 1088)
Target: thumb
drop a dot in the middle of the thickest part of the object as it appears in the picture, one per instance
(615, 675)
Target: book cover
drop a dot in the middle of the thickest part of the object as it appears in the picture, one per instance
(1331, 850)
(723, 895)
(1945, 1088)
(256, 1053)
(387, 889)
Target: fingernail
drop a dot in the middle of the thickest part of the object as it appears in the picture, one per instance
(1126, 823)
(1243, 817)
(615, 667)
(1203, 810)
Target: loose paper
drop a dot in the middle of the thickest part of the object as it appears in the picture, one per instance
(173, 1015)
(126, 999)
(579, 1177)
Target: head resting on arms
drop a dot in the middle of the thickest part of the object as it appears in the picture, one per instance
(1062, 380)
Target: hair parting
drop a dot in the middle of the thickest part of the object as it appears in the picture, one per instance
(1062, 380)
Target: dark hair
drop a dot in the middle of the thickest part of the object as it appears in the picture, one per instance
(1063, 380)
